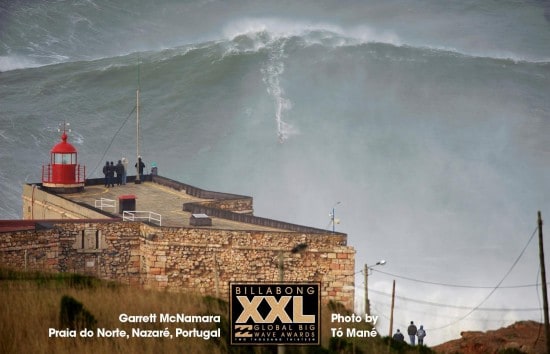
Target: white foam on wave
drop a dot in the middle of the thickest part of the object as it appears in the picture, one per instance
(8, 63)
(260, 29)
(276, 28)
(272, 34)
(5, 137)
(77, 138)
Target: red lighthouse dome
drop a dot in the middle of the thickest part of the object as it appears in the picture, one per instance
(63, 174)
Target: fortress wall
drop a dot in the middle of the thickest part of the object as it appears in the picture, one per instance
(109, 250)
(206, 260)
(243, 206)
(225, 201)
(39, 204)
(199, 260)
(30, 250)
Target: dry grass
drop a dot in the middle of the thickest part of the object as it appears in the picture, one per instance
(31, 305)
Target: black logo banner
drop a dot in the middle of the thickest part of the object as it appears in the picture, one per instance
(275, 313)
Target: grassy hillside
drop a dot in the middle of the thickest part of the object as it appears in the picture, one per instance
(31, 305)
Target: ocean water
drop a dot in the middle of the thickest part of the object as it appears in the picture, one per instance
(429, 121)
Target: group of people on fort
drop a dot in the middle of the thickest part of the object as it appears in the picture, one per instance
(118, 173)
(413, 333)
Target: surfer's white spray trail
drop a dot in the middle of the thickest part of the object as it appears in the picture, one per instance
(272, 71)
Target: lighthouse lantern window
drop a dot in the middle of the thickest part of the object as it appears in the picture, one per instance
(65, 159)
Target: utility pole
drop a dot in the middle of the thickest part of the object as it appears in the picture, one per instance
(367, 304)
(544, 290)
(392, 305)
(366, 271)
(217, 276)
(299, 248)
(281, 348)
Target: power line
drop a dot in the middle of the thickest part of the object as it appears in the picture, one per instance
(456, 306)
(437, 315)
(484, 319)
(455, 285)
(112, 140)
(345, 276)
(469, 309)
(495, 288)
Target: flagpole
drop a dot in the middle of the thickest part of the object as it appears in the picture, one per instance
(138, 177)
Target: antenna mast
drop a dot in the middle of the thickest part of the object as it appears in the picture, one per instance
(138, 177)
(65, 126)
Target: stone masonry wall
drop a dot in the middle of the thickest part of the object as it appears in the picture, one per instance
(175, 259)
(235, 205)
(113, 252)
(205, 260)
(30, 250)
(40, 204)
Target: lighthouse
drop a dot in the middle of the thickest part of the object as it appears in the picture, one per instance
(63, 174)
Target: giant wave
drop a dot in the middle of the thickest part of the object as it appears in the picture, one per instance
(428, 123)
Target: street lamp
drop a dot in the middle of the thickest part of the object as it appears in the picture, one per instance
(366, 271)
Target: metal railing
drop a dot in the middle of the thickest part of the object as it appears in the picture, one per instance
(142, 215)
(66, 174)
(105, 203)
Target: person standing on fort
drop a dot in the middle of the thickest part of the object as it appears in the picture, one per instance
(125, 172)
(111, 172)
(411, 331)
(421, 333)
(140, 166)
(119, 169)
(106, 173)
